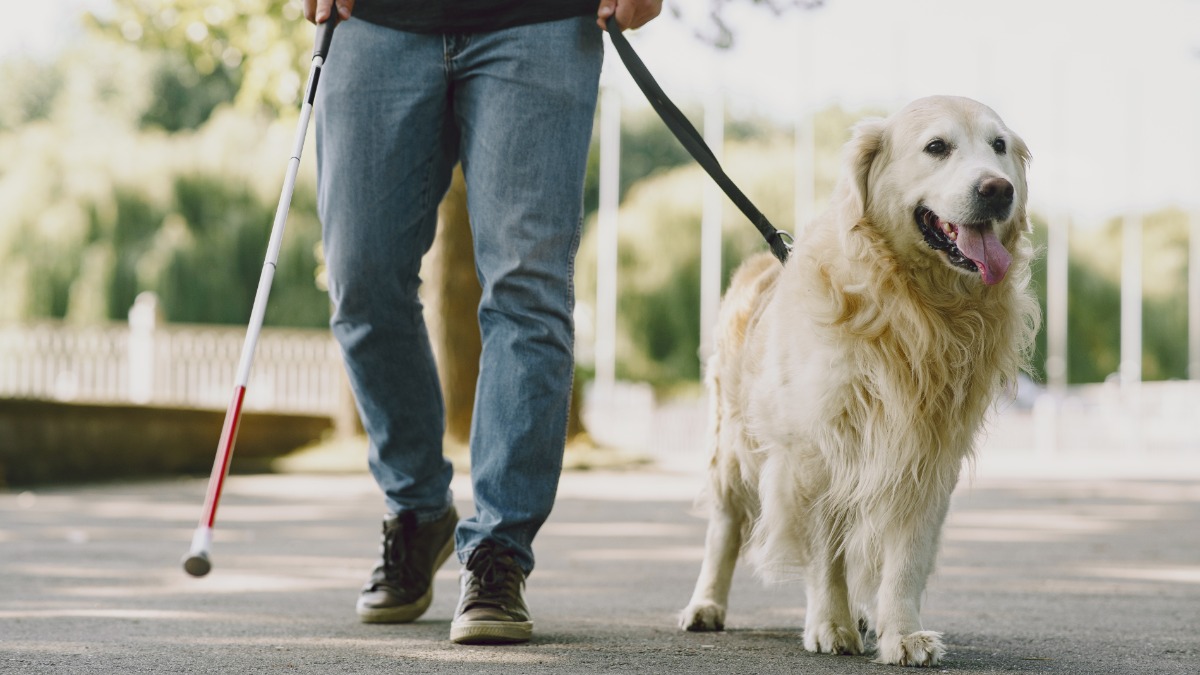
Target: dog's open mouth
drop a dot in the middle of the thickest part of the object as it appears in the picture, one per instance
(972, 247)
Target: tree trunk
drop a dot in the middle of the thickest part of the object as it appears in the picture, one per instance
(456, 307)
(454, 322)
(575, 419)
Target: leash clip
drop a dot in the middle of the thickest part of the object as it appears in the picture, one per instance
(781, 242)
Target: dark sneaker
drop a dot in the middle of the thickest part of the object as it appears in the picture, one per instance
(401, 585)
(492, 608)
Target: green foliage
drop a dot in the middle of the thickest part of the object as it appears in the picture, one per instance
(127, 176)
(99, 208)
(30, 91)
(201, 251)
(1093, 317)
(211, 251)
(250, 51)
(183, 98)
(1165, 307)
(1094, 299)
(1093, 323)
(133, 228)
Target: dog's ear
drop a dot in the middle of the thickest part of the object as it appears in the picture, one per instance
(858, 155)
(1020, 152)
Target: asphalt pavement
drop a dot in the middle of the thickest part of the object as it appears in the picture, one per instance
(1037, 575)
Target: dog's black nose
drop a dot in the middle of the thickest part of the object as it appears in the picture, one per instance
(995, 192)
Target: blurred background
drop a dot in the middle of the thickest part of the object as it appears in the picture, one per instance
(142, 149)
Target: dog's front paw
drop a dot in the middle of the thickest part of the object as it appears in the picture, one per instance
(702, 616)
(923, 648)
(828, 637)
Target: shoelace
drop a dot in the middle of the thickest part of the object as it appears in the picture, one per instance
(495, 571)
(396, 544)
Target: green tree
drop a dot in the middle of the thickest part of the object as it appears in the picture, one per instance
(251, 52)
(31, 89)
(209, 255)
(183, 98)
(101, 208)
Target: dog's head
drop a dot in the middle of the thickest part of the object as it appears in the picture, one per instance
(943, 177)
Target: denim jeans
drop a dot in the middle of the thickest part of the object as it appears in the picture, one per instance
(395, 111)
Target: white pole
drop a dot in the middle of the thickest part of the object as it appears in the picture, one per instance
(1057, 253)
(1194, 298)
(710, 229)
(144, 317)
(1194, 253)
(1048, 407)
(606, 253)
(1131, 307)
(1194, 307)
(1131, 330)
(1057, 259)
(1131, 278)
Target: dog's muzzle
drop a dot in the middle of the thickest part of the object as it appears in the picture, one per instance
(971, 247)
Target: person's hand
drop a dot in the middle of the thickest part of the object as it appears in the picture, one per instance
(629, 13)
(318, 11)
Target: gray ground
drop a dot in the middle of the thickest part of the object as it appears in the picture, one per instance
(1035, 576)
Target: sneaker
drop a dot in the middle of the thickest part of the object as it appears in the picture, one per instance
(492, 607)
(401, 585)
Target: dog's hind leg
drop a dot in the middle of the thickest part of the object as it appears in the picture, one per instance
(722, 544)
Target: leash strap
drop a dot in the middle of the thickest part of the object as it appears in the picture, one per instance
(779, 241)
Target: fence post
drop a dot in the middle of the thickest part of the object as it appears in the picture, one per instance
(144, 318)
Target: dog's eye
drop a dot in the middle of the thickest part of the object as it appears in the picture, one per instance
(999, 146)
(937, 147)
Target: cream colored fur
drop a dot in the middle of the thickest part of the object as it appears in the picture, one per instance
(848, 387)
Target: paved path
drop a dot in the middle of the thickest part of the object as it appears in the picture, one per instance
(1036, 576)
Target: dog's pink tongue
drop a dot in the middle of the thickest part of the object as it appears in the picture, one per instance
(983, 247)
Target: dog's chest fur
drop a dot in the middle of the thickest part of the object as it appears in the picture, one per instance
(873, 373)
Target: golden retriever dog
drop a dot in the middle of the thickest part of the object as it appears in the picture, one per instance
(847, 387)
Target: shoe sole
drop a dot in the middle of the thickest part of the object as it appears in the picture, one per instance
(491, 632)
(413, 611)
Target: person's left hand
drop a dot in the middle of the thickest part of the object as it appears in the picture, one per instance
(629, 13)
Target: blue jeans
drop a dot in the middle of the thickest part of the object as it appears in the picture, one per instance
(395, 112)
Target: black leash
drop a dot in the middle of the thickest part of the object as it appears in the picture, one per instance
(779, 241)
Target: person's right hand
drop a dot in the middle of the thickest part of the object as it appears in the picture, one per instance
(318, 11)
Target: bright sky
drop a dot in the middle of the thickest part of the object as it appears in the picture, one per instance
(41, 27)
(1107, 94)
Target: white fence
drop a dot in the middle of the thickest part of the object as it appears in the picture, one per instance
(190, 366)
(1087, 424)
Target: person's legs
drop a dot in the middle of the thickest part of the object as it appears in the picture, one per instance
(525, 99)
(385, 148)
